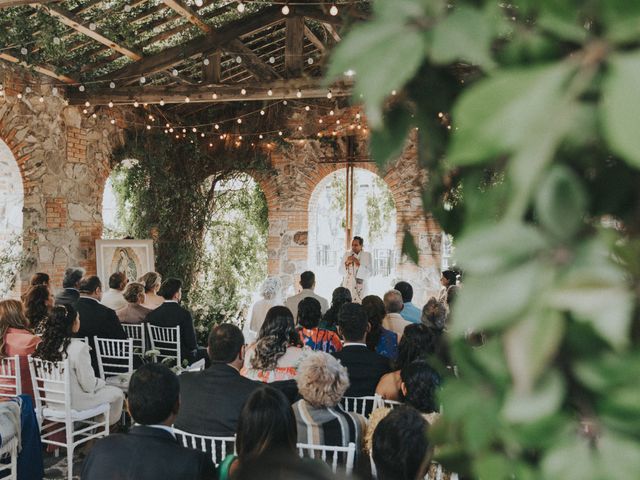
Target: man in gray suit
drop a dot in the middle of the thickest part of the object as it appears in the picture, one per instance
(308, 283)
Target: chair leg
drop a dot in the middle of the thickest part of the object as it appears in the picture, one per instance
(70, 449)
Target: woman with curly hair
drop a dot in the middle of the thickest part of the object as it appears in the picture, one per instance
(380, 340)
(16, 338)
(276, 354)
(38, 302)
(418, 341)
(322, 381)
(339, 297)
(57, 345)
(309, 315)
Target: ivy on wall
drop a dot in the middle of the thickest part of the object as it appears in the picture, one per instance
(527, 114)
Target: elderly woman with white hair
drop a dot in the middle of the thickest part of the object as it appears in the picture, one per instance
(320, 419)
(270, 292)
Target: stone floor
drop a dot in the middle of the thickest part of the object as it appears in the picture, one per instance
(55, 468)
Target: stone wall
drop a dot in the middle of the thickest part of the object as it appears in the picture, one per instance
(295, 172)
(64, 158)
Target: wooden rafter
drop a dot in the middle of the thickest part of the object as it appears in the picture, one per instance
(201, 45)
(186, 12)
(280, 89)
(211, 72)
(18, 3)
(314, 39)
(293, 46)
(43, 70)
(251, 61)
(76, 23)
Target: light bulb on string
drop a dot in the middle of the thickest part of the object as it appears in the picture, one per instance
(261, 112)
(310, 60)
(174, 72)
(239, 137)
(285, 103)
(198, 3)
(54, 91)
(202, 134)
(260, 136)
(216, 126)
(333, 10)
(113, 122)
(331, 112)
(24, 51)
(205, 61)
(214, 95)
(270, 92)
(162, 102)
(299, 93)
(211, 145)
(238, 59)
(320, 121)
(143, 80)
(85, 111)
(127, 8)
(300, 128)
(87, 104)
(221, 137)
(307, 108)
(27, 90)
(110, 104)
(329, 94)
(41, 99)
(81, 88)
(136, 104)
(56, 40)
(187, 99)
(243, 91)
(194, 129)
(184, 130)
(280, 133)
(272, 59)
(171, 130)
(239, 121)
(148, 127)
(92, 27)
(112, 85)
(240, 7)
(286, 10)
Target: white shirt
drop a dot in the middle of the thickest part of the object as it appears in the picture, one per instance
(113, 299)
(365, 270)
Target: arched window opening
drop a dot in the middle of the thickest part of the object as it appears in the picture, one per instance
(11, 205)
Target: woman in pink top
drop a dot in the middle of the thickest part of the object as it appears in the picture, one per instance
(16, 338)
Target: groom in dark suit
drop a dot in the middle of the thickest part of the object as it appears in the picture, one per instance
(171, 314)
(150, 450)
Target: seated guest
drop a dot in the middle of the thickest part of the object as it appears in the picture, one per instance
(269, 292)
(308, 283)
(401, 450)
(434, 316)
(339, 297)
(151, 282)
(419, 384)
(320, 419)
(40, 278)
(278, 351)
(96, 319)
(409, 311)
(364, 366)
(171, 314)
(220, 385)
(309, 315)
(379, 339)
(393, 320)
(70, 294)
(150, 450)
(134, 311)
(266, 427)
(37, 302)
(284, 466)
(448, 279)
(87, 391)
(113, 298)
(17, 338)
(418, 342)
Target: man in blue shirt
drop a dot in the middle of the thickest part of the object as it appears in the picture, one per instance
(409, 312)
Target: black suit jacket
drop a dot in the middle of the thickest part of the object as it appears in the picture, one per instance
(171, 314)
(365, 369)
(211, 400)
(68, 296)
(145, 453)
(96, 320)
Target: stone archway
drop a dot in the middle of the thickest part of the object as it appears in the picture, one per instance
(296, 171)
(11, 219)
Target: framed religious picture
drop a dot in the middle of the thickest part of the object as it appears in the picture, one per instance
(133, 257)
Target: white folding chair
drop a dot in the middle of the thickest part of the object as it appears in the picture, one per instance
(10, 379)
(217, 447)
(390, 403)
(52, 391)
(115, 357)
(166, 340)
(10, 450)
(339, 456)
(362, 405)
(135, 331)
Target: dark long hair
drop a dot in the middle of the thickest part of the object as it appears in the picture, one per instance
(57, 334)
(266, 425)
(418, 341)
(374, 308)
(339, 297)
(35, 304)
(276, 334)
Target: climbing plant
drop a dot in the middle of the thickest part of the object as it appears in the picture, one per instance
(526, 114)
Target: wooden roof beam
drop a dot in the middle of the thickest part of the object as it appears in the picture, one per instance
(76, 23)
(281, 89)
(294, 43)
(19, 3)
(43, 70)
(186, 12)
(314, 39)
(199, 46)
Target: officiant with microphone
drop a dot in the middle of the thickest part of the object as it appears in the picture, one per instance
(356, 268)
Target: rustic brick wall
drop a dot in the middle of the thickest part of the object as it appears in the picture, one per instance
(64, 160)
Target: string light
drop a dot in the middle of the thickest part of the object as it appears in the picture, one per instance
(216, 126)
(187, 99)
(310, 61)
(270, 92)
(333, 10)
(81, 88)
(329, 94)
(24, 51)
(110, 104)
(331, 112)
(240, 7)
(54, 91)
(299, 93)
(238, 59)
(136, 104)
(143, 80)
(41, 99)
(214, 95)
(285, 9)
(27, 90)
(148, 127)
(56, 41)
(205, 61)
(307, 108)
(272, 59)
(280, 133)
(239, 121)
(112, 85)
(92, 27)
(243, 91)
(260, 136)
(127, 8)
(174, 72)
(87, 104)
(85, 111)
(162, 102)
(198, 3)
(194, 129)
(261, 112)
(113, 122)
